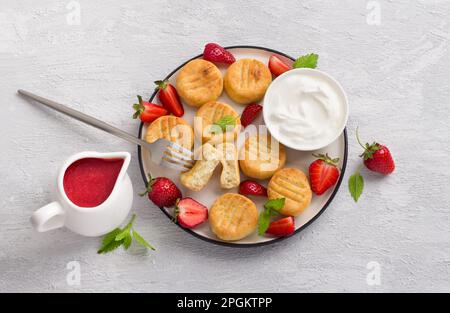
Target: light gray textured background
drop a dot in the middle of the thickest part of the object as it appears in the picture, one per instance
(397, 78)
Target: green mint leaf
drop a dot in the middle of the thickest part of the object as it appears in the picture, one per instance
(109, 242)
(111, 236)
(127, 241)
(126, 231)
(223, 123)
(110, 247)
(275, 204)
(141, 240)
(264, 221)
(307, 60)
(271, 208)
(123, 234)
(356, 185)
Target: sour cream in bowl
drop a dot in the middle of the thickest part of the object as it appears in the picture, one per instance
(305, 109)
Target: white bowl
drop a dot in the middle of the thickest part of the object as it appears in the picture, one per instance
(283, 137)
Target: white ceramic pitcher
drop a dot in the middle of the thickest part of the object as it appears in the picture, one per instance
(88, 221)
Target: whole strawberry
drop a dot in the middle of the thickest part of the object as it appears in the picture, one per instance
(377, 157)
(162, 191)
(215, 53)
(251, 111)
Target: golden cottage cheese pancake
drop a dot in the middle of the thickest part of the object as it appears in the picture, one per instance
(247, 80)
(213, 112)
(199, 82)
(261, 156)
(291, 184)
(233, 217)
(172, 128)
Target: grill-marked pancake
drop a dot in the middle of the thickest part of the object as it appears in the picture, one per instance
(258, 159)
(233, 217)
(291, 184)
(199, 82)
(172, 128)
(247, 80)
(211, 113)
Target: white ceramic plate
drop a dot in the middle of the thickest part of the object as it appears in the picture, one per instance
(295, 158)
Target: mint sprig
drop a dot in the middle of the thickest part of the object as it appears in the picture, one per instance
(222, 124)
(122, 237)
(271, 208)
(307, 60)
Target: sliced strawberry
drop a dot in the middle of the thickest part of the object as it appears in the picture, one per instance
(377, 157)
(252, 188)
(168, 96)
(148, 112)
(251, 111)
(277, 66)
(323, 173)
(282, 227)
(215, 53)
(191, 213)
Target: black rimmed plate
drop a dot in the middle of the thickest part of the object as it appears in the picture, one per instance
(295, 158)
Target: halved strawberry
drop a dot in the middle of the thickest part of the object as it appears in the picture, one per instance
(215, 53)
(252, 188)
(277, 66)
(282, 227)
(168, 96)
(190, 213)
(251, 111)
(323, 173)
(148, 112)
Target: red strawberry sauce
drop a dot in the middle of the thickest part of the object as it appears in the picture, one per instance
(89, 182)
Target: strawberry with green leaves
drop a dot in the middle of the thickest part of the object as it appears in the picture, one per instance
(323, 173)
(168, 96)
(279, 228)
(377, 158)
(162, 191)
(271, 208)
(148, 112)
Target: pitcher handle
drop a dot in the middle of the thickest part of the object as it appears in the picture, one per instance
(48, 217)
